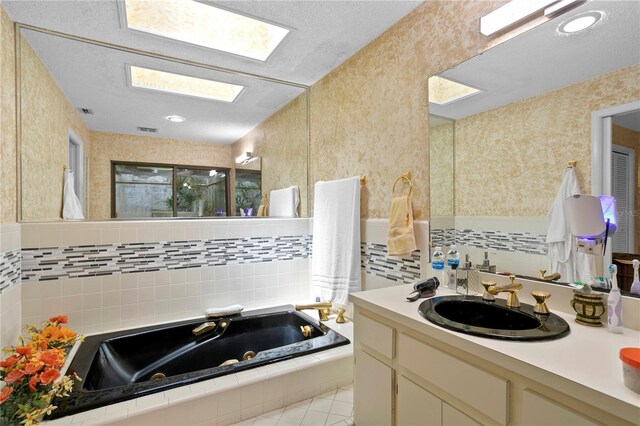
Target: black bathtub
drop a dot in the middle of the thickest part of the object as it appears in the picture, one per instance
(128, 364)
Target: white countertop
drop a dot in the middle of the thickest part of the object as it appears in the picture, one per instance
(585, 364)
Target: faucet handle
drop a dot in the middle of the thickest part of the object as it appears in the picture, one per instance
(487, 296)
(541, 306)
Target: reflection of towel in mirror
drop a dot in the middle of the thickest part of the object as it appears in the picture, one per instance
(284, 202)
(336, 239)
(262, 210)
(71, 208)
(401, 240)
(561, 243)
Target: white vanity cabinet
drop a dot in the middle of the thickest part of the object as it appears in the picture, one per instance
(405, 378)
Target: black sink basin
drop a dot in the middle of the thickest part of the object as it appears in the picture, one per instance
(472, 315)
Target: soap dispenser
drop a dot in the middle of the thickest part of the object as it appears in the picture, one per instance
(468, 280)
(486, 265)
(635, 286)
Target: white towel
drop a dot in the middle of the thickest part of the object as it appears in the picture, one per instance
(336, 239)
(562, 254)
(71, 209)
(284, 202)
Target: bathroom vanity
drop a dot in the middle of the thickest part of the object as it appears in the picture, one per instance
(409, 371)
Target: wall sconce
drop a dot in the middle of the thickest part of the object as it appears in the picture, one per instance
(245, 158)
(517, 10)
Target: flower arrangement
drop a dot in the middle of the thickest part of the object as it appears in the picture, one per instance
(31, 373)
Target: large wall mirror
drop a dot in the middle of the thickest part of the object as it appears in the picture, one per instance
(505, 124)
(148, 137)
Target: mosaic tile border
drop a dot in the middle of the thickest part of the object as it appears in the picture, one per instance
(43, 264)
(375, 261)
(10, 265)
(516, 242)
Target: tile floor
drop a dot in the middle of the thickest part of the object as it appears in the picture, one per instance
(332, 408)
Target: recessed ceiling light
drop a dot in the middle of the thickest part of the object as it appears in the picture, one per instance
(183, 85)
(580, 22)
(443, 91)
(205, 25)
(175, 118)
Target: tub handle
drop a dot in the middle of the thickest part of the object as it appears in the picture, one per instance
(203, 328)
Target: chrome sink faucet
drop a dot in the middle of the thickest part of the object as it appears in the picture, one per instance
(512, 288)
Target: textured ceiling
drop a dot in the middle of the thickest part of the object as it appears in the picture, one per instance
(323, 34)
(541, 60)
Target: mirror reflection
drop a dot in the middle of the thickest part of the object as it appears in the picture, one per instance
(146, 137)
(523, 114)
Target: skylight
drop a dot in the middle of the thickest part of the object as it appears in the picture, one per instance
(443, 91)
(183, 85)
(205, 25)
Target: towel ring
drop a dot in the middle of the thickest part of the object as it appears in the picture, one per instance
(405, 177)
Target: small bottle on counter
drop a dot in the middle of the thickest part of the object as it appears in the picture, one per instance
(437, 264)
(452, 277)
(468, 280)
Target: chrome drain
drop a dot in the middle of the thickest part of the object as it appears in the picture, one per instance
(157, 377)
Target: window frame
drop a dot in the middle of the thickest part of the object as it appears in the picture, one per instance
(175, 168)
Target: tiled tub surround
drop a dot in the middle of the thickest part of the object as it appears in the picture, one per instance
(111, 289)
(10, 287)
(401, 270)
(52, 263)
(236, 397)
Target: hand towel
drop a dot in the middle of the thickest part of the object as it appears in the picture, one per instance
(562, 254)
(401, 240)
(284, 202)
(335, 262)
(71, 207)
(262, 210)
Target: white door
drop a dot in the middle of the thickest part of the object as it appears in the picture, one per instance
(623, 188)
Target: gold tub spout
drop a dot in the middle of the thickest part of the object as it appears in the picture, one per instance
(553, 277)
(323, 309)
(512, 288)
(203, 328)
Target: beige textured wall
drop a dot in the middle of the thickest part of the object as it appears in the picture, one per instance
(8, 189)
(509, 161)
(630, 139)
(281, 142)
(441, 169)
(47, 116)
(107, 147)
(369, 115)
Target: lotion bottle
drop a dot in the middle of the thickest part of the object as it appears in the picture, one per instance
(635, 286)
(614, 303)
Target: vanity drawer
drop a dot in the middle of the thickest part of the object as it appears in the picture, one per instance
(477, 388)
(375, 335)
(540, 411)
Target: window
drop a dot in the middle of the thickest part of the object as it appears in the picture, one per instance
(161, 190)
(248, 192)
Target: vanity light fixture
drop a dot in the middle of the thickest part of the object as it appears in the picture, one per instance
(205, 25)
(175, 118)
(178, 84)
(243, 158)
(212, 173)
(517, 10)
(580, 22)
(443, 91)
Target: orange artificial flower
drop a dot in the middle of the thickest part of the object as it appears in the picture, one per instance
(14, 376)
(9, 362)
(49, 375)
(52, 357)
(56, 333)
(4, 395)
(24, 350)
(33, 381)
(33, 367)
(60, 319)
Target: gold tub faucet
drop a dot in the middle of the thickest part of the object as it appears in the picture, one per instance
(512, 288)
(553, 277)
(323, 309)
